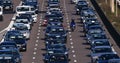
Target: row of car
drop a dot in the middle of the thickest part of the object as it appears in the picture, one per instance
(15, 39)
(101, 49)
(55, 34)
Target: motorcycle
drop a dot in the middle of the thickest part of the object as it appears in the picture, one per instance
(72, 28)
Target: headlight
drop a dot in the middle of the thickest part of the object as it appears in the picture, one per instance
(66, 52)
(17, 59)
(47, 34)
(77, 9)
(58, 36)
(82, 17)
(95, 57)
(47, 42)
(24, 34)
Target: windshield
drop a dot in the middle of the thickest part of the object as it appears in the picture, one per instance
(102, 50)
(57, 30)
(22, 21)
(95, 31)
(98, 36)
(101, 43)
(57, 58)
(23, 9)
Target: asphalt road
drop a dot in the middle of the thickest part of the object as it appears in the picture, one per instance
(79, 50)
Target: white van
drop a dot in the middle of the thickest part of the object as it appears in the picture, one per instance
(24, 9)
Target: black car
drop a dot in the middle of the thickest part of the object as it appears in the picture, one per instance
(80, 5)
(7, 5)
(56, 58)
(17, 38)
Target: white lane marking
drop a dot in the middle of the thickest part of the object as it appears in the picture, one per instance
(33, 62)
(74, 56)
(38, 34)
(36, 44)
(68, 23)
(72, 47)
(39, 30)
(33, 57)
(37, 40)
(68, 26)
(71, 43)
(73, 51)
(75, 61)
(35, 48)
(39, 24)
(39, 27)
(38, 37)
(69, 32)
(40, 19)
(34, 53)
(71, 39)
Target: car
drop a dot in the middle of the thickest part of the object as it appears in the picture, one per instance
(54, 6)
(26, 16)
(51, 17)
(25, 20)
(100, 43)
(108, 58)
(56, 58)
(94, 37)
(58, 14)
(90, 13)
(100, 50)
(79, 5)
(57, 32)
(93, 27)
(11, 55)
(24, 9)
(33, 3)
(7, 5)
(1, 13)
(56, 46)
(16, 37)
(23, 29)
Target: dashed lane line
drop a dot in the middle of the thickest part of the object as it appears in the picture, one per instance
(35, 48)
(34, 53)
(33, 58)
(72, 47)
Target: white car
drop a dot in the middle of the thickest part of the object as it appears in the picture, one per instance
(22, 28)
(24, 9)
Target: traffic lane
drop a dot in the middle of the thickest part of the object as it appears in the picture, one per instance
(78, 49)
(111, 40)
(34, 53)
(7, 17)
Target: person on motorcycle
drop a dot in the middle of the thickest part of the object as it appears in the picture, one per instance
(72, 24)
